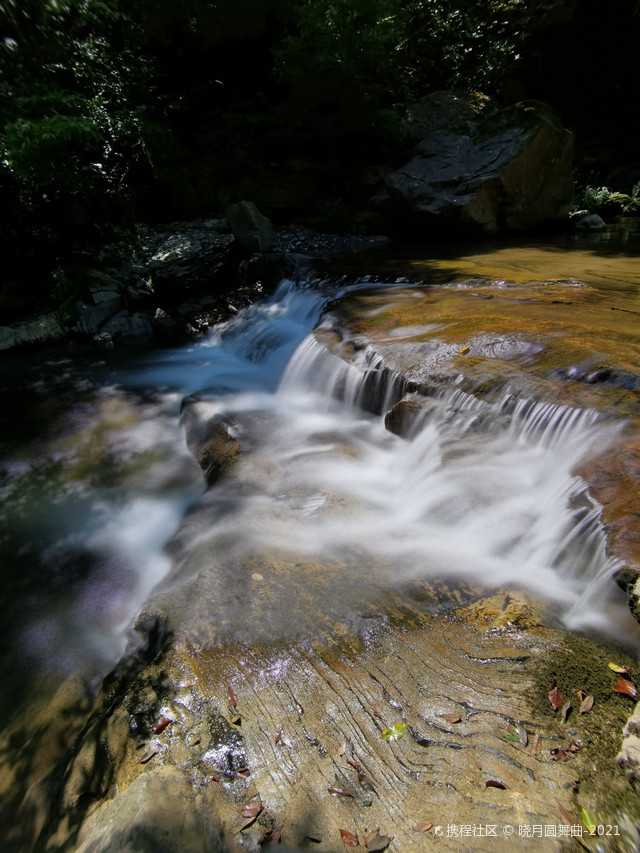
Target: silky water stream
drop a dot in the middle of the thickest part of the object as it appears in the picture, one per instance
(96, 480)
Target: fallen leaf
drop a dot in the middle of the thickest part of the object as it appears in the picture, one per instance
(370, 834)
(336, 792)
(566, 816)
(278, 737)
(147, 758)
(348, 838)
(353, 764)
(569, 821)
(559, 754)
(378, 715)
(234, 719)
(566, 708)
(365, 783)
(509, 736)
(244, 772)
(587, 704)
(555, 697)
(252, 809)
(587, 819)
(621, 670)
(378, 843)
(463, 350)
(574, 747)
(269, 836)
(345, 746)
(580, 694)
(395, 731)
(451, 718)
(626, 688)
(523, 735)
(231, 697)
(422, 827)
(164, 722)
(495, 783)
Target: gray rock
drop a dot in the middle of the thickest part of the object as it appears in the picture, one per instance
(43, 329)
(127, 328)
(189, 259)
(591, 222)
(253, 231)
(509, 170)
(92, 317)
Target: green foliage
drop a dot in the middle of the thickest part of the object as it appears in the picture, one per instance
(609, 203)
(465, 45)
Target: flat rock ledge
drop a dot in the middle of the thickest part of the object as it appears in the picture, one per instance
(229, 748)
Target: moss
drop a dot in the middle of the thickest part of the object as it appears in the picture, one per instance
(579, 664)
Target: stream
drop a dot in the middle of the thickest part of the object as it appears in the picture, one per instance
(96, 477)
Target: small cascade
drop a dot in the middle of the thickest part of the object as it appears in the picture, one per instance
(477, 489)
(363, 381)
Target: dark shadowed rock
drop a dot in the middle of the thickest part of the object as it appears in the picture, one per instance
(252, 230)
(498, 171)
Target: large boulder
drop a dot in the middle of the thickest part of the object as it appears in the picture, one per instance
(484, 169)
(189, 258)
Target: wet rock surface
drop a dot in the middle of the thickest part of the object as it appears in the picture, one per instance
(305, 732)
(414, 710)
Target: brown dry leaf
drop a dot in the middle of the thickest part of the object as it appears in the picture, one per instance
(369, 835)
(580, 694)
(348, 838)
(345, 746)
(566, 708)
(495, 783)
(451, 718)
(378, 843)
(252, 809)
(353, 764)
(365, 783)
(244, 772)
(574, 747)
(161, 726)
(626, 688)
(269, 836)
(422, 827)
(568, 820)
(231, 697)
(336, 792)
(587, 704)
(559, 754)
(555, 697)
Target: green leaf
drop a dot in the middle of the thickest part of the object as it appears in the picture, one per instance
(587, 819)
(514, 738)
(395, 731)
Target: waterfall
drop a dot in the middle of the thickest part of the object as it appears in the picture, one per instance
(479, 490)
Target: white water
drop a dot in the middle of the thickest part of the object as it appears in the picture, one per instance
(481, 492)
(486, 493)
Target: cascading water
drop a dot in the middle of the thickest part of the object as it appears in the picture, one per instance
(484, 492)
